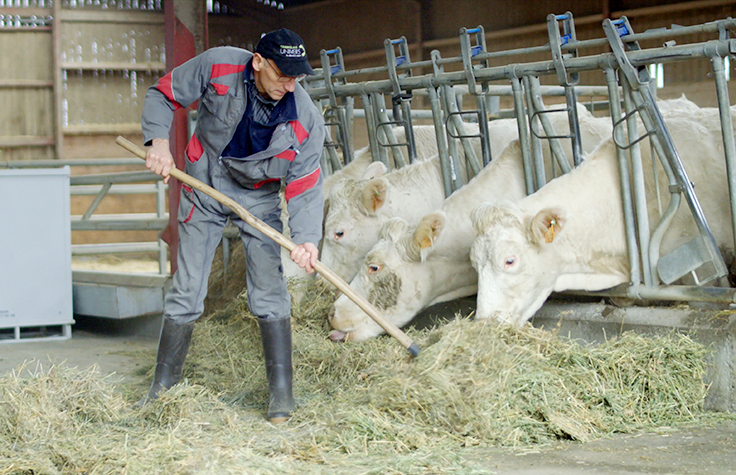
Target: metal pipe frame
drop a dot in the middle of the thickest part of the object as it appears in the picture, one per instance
(643, 282)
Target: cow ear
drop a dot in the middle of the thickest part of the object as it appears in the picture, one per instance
(546, 225)
(429, 229)
(374, 194)
(373, 170)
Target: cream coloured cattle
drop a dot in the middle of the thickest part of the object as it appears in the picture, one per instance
(570, 234)
(351, 227)
(426, 147)
(365, 204)
(408, 270)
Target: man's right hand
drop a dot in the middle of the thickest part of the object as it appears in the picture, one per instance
(159, 159)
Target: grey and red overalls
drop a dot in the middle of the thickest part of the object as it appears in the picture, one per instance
(248, 168)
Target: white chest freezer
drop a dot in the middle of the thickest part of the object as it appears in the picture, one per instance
(35, 254)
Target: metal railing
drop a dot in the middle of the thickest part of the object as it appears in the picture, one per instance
(105, 184)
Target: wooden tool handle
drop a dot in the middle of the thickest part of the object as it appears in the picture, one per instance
(285, 242)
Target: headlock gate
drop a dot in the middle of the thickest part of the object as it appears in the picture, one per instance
(631, 94)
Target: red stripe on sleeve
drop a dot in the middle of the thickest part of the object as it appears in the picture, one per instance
(194, 149)
(287, 155)
(164, 85)
(300, 131)
(224, 69)
(301, 185)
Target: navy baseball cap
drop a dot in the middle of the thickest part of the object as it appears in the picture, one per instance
(286, 49)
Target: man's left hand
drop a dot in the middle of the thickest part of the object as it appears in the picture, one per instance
(305, 256)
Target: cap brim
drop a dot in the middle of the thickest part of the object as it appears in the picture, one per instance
(294, 68)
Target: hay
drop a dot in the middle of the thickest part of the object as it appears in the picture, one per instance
(364, 408)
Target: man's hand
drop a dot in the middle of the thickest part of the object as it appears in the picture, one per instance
(159, 159)
(305, 256)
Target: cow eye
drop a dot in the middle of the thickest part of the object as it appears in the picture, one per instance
(374, 268)
(509, 262)
(338, 235)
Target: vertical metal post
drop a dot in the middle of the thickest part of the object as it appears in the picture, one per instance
(568, 81)
(467, 53)
(439, 130)
(400, 100)
(614, 101)
(163, 257)
(536, 144)
(639, 187)
(521, 123)
(724, 107)
(370, 123)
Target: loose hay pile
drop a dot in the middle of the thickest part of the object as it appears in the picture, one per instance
(363, 407)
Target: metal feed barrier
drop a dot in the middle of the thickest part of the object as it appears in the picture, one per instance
(628, 81)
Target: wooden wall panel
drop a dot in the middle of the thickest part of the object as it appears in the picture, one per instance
(26, 95)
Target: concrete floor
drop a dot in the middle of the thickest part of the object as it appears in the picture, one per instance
(125, 347)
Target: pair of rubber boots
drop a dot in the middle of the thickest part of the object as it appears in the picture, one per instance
(276, 338)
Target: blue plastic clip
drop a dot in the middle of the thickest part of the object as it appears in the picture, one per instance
(476, 50)
(621, 27)
(564, 16)
(400, 60)
(565, 39)
(335, 69)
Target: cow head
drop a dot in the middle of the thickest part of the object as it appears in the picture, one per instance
(351, 222)
(390, 279)
(516, 261)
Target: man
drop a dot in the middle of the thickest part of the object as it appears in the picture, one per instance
(256, 127)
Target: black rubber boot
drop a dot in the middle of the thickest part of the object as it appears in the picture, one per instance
(276, 338)
(173, 346)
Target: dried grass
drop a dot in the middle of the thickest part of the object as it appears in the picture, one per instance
(364, 408)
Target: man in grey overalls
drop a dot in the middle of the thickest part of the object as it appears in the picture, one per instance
(256, 128)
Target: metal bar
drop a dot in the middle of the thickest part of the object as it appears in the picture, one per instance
(89, 190)
(114, 248)
(535, 142)
(521, 123)
(161, 212)
(77, 162)
(122, 177)
(724, 106)
(439, 130)
(114, 65)
(684, 293)
(96, 202)
(142, 222)
(637, 171)
(623, 169)
(58, 121)
(541, 112)
(637, 58)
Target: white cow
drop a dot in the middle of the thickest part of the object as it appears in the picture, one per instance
(351, 227)
(426, 147)
(369, 203)
(570, 234)
(408, 270)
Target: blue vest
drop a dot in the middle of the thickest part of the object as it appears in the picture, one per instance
(250, 136)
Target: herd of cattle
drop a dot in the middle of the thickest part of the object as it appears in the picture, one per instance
(404, 247)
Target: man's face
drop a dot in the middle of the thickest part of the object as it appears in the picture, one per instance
(270, 81)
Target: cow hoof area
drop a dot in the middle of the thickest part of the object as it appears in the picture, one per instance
(338, 336)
